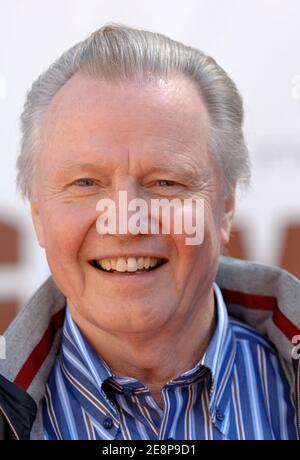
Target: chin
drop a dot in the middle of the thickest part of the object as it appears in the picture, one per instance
(135, 320)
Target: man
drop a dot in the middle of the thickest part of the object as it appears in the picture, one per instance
(131, 337)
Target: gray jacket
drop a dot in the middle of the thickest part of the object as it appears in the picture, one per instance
(267, 298)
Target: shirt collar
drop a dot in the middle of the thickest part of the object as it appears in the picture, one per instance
(90, 362)
(220, 355)
(214, 356)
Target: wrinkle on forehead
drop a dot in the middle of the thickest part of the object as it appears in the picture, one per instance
(93, 121)
(82, 95)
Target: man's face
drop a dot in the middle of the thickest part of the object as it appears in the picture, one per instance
(98, 139)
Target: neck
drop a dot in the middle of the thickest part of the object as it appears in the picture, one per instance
(157, 357)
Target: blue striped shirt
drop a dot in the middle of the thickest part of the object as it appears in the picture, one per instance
(236, 391)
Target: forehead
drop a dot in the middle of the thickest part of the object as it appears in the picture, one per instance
(90, 117)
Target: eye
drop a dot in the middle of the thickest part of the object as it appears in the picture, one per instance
(166, 183)
(85, 182)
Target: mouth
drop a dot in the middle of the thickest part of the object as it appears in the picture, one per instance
(128, 265)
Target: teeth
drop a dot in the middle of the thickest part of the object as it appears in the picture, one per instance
(130, 264)
(147, 262)
(104, 264)
(121, 265)
(113, 263)
(140, 263)
(107, 264)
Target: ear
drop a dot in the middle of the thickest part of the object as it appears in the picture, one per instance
(37, 222)
(227, 218)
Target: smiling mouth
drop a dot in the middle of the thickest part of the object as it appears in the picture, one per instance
(126, 269)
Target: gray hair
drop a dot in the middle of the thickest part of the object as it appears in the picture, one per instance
(116, 52)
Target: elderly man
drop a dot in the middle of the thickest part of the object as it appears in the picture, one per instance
(131, 338)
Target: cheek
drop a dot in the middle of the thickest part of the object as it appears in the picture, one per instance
(198, 260)
(65, 226)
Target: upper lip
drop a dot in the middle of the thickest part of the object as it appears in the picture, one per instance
(127, 254)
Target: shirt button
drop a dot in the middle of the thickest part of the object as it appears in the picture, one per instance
(107, 423)
(219, 416)
(128, 391)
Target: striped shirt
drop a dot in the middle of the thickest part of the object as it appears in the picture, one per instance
(236, 391)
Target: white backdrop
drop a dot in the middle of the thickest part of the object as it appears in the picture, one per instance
(256, 41)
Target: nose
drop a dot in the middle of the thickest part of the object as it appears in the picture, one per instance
(127, 185)
(127, 191)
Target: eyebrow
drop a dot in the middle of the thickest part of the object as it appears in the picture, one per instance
(185, 168)
(71, 164)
